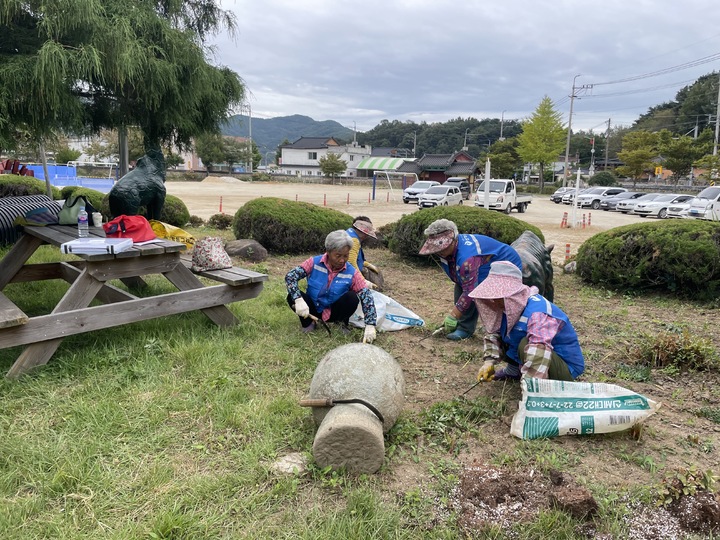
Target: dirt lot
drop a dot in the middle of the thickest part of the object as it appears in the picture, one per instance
(205, 199)
(610, 324)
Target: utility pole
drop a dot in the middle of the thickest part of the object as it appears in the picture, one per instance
(502, 121)
(569, 128)
(607, 145)
(717, 121)
(250, 160)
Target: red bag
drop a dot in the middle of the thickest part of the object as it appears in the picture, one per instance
(135, 227)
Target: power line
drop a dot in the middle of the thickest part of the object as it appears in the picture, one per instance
(679, 67)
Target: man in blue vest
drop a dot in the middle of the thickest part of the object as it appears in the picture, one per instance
(529, 332)
(466, 260)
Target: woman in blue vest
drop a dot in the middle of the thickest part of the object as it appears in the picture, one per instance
(466, 260)
(529, 332)
(334, 288)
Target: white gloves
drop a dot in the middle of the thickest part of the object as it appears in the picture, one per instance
(370, 334)
(369, 284)
(301, 308)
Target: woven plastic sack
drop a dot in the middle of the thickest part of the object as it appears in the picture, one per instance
(172, 233)
(550, 408)
(209, 254)
(391, 315)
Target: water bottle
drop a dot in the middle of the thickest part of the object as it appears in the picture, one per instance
(82, 223)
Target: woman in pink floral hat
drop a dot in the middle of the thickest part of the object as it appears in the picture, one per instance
(525, 329)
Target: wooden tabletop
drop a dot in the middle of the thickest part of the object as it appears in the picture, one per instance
(57, 235)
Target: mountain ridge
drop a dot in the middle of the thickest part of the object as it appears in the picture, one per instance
(269, 133)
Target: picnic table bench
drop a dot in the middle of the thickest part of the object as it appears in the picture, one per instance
(90, 276)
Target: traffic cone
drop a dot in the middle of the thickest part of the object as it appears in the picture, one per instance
(563, 223)
(567, 251)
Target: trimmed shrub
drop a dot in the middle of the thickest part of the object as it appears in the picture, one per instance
(604, 178)
(14, 185)
(284, 226)
(681, 256)
(95, 197)
(220, 221)
(196, 221)
(408, 235)
(261, 177)
(174, 211)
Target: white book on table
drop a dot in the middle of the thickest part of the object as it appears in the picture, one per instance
(93, 245)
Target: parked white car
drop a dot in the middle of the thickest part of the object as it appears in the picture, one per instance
(440, 196)
(594, 196)
(658, 207)
(679, 211)
(627, 205)
(412, 193)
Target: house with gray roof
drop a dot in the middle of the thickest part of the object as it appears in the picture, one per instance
(302, 157)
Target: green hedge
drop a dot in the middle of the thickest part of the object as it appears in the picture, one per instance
(14, 185)
(284, 226)
(407, 235)
(682, 256)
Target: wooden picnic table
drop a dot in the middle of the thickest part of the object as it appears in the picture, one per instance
(89, 277)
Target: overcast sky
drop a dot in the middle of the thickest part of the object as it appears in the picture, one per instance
(418, 60)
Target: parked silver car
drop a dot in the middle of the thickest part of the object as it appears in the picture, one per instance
(627, 205)
(412, 193)
(610, 203)
(658, 207)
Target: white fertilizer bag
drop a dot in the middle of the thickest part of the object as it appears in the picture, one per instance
(551, 408)
(391, 315)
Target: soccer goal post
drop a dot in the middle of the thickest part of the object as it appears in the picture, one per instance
(400, 179)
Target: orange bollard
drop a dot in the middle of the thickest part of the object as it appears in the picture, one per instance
(348, 199)
(563, 223)
(368, 198)
(589, 218)
(388, 197)
(583, 221)
(296, 197)
(221, 204)
(324, 199)
(567, 251)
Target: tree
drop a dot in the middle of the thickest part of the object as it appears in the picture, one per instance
(210, 149)
(603, 178)
(331, 165)
(679, 155)
(543, 137)
(67, 154)
(104, 146)
(639, 148)
(88, 64)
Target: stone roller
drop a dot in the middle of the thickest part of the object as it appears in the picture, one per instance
(357, 394)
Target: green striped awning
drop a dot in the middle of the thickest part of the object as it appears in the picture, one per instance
(380, 163)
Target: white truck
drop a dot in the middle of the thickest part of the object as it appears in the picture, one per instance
(706, 205)
(503, 196)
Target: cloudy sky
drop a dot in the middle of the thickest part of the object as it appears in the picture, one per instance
(364, 61)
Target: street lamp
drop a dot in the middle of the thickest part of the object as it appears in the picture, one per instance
(591, 170)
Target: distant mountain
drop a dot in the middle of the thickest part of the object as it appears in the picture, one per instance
(268, 133)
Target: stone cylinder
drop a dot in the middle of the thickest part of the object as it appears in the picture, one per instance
(350, 435)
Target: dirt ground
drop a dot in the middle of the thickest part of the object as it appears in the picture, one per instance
(609, 325)
(208, 197)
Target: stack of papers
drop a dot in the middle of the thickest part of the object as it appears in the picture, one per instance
(92, 246)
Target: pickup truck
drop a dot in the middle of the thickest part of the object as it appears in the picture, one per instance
(706, 205)
(503, 196)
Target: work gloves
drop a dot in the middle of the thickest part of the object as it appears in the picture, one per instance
(370, 334)
(301, 308)
(450, 324)
(486, 372)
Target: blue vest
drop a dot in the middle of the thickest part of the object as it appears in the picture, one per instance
(361, 256)
(472, 245)
(565, 343)
(317, 284)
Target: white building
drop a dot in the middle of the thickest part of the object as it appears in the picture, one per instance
(302, 158)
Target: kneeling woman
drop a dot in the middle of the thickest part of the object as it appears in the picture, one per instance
(334, 288)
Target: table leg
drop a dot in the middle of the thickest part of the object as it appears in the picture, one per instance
(185, 280)
(78, 296)
(17, 257)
